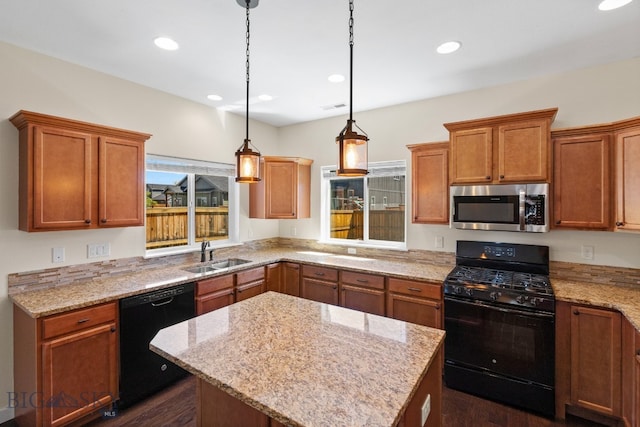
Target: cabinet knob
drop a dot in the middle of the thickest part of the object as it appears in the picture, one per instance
(87, 221)
(335, 287)
(488, 178)
(103, 220)
(501, 176)
(576, 312)
(619, 224)
(438, 306)
(113, 329)
(558, 222)
(638, 352)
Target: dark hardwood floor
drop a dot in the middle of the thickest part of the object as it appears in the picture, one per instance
(176, 407)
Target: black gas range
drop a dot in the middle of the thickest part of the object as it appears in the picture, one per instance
(500, 323)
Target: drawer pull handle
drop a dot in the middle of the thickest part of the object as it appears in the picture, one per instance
(319, 273)
(362, 280)
(86, 319)
(415, 289)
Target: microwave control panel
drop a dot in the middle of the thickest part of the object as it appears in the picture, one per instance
(534, 210)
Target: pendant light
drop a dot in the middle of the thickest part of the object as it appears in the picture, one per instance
(353, 146)
(247, 160)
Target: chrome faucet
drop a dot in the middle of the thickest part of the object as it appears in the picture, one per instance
(203, 247)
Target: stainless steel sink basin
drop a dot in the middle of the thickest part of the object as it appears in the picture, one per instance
(216, 266)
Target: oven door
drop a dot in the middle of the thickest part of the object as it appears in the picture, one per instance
(504, 341)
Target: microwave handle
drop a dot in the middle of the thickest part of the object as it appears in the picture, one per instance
(521, 208)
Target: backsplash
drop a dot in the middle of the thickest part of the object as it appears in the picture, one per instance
(60, 276)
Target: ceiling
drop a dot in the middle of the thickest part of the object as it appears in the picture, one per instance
(296, 45)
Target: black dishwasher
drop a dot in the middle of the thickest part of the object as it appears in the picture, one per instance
(143, 372)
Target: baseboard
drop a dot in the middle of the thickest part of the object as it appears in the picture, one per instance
(6, 414)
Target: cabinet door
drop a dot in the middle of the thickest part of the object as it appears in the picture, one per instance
(281, 197)
(471, 156)
(582, 182)
(121, 186)
(291, 279)
(214, 301)
(362, 299)
(273, 274)
(320, 290)
(422, 311)
(523, 151)
(62, 179)
(596, 359)
(627, 177)
(80, 374)
(430, 184)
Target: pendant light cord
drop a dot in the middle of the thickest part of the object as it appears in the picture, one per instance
(247, 64)
(350, 60)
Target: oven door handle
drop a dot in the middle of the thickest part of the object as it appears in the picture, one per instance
(542, 315)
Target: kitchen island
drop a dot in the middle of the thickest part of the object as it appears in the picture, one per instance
(276, 359)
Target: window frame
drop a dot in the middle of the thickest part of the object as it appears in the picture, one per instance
(376, 169)
(191, 168)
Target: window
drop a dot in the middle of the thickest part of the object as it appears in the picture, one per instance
(347, 218)
(188, 201)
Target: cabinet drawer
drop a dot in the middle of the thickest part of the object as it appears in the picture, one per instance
(362, 279)
(214, 284)
(410, 287)
(250, 275)
(321, 273)
(77, 320)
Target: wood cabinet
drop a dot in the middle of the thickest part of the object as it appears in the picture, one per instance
(636, 384)
(430, 183)
(363, 292)
(588, 360)
(630, 374)
(65, 365)
(273, 277)
(320, 284)
(627, 176)
(501, 149)
(291, 278)
(214, 293)
(582, 179)
(284, 191)
(415, 302)
(76, 175)
(250, 283)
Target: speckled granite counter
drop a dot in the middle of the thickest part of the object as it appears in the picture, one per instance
(306, 363)
(58, 299)
(625, 299)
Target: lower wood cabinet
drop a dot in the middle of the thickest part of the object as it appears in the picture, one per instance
(250, 283)
(363, 292)
(636, 385)
(283, 277)
(214, 293)
(415, 302)
(320, 284)
(65, 365)
(589, 360)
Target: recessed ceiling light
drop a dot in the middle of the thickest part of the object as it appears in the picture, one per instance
(214, 97)
(448, 47)
(336, 78)
(265, 97)
(166, 43)
(612, 4)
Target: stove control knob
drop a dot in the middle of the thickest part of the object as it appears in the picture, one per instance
(469, 292)
(494, 296)
(520, 299)
(457, 290)
(535, 301)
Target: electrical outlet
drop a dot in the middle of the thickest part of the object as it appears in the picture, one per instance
(426, 409)
(439, 242)
(587, 252)
(351, 251)
(57, 255)
(96, 250)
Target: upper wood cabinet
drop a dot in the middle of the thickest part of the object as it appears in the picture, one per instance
(77, 175)
(430, 183)
(284, 191)
(501, 149)
(627, 175)
(582, 179)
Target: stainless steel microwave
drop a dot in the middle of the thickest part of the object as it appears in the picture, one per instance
(509, 207)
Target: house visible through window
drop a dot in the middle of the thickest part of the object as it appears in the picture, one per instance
(189, 201)
(346, 217)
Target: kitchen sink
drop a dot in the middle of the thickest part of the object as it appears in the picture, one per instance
(216, 266)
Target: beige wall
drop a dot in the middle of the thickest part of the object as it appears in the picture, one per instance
(182, 128)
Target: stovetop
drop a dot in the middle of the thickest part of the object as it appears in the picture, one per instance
(503, 274)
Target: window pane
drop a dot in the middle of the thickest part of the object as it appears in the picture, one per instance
(347, 209)
(386, 208)
(167, 218)
(212, 207)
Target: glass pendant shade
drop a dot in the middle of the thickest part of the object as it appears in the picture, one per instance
(247, 164)
(353, 152)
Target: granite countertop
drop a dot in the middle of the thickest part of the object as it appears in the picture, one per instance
(305, 363)
(54, 300)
